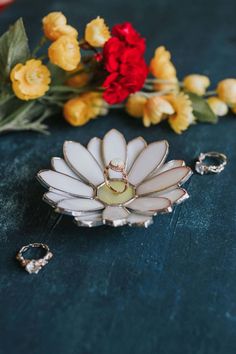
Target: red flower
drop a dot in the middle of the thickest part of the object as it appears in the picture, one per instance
(4, 3)
(127, 33)
(123, 59)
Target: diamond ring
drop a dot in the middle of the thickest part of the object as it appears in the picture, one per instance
(33, 266)
(202, 167)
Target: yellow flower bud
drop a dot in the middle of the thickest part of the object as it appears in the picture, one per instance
(196, 84)
(65, 53)
(156, 108)
(55, 26)
(161, 66)
(226, 90)
(76, 112)
(97, 33)
(218, 106)
(79, 110)
(96, 104)
(79, 80)
(135, 105)
(30, 80)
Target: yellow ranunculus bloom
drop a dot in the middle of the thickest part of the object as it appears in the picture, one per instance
(55, 26)
(218, 106)
(183, 116)
(65, 53)
(163, 69)
(97, 105)
(196, 84)
(226, 91)
(30, 80)
(155, 110)
(97, 33)
(79, 110)
(135, 105)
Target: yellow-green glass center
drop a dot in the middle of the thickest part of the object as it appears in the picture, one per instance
(108, 196)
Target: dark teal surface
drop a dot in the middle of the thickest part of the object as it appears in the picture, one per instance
(168, 289)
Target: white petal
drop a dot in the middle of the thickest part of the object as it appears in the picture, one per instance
(53, 198)
(139, 220)
(89, 220)
(65, 183)
(114, 147)
(78, 206)
(80, 159)
(150, 158)
(95, 148)
(134, 148)
(59, 165)
(165, 180)
(168, 166)
(115, 216)
(177, 195)
(150, 205)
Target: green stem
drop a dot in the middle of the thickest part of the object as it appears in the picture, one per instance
(42, 41)
(210, 93)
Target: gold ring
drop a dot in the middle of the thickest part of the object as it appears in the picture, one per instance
(118, 166)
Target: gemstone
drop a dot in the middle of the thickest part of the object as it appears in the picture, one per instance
(32, 267)
(117, 163)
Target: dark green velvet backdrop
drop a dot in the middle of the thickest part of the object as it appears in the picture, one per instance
(170, 289)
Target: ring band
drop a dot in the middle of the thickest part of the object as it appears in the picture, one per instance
(33, 266)
(202, 168)
(117, 166)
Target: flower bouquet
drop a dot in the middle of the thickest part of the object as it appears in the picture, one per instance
(103, 70)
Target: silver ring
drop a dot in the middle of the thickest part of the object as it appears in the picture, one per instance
(33, 266)
(202, 168)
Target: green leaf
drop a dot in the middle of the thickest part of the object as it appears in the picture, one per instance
(14, 48)
(26, 116)
(201, 109)
(58, 75)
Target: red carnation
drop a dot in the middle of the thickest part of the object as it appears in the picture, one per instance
(123, 59)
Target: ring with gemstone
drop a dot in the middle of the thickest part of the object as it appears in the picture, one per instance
(33, 266)
(116, 165)
(202, 167)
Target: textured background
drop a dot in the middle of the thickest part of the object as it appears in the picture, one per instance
(170, 289)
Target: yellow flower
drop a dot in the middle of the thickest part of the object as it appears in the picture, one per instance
(76, 112)
(155, 110)
(55, 26)
(218, 106)
(30, 80)
(97, 33)
(65, 53)
(79, 80)
(226, 90)
(79, 110)
(163, 69)
(97, 105)
(135, 105)
(152, 109)
(196, 84)
(183, 116)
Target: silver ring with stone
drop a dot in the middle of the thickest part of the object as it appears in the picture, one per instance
(33, 266)
(202, 167)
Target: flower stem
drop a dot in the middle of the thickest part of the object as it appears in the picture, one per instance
(42, 41)
(210, 93)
